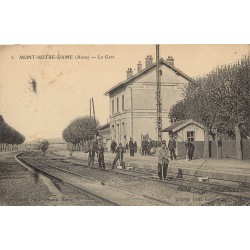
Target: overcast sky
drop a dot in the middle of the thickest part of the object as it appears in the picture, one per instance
(65, 86)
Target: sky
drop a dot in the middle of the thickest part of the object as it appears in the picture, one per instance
(65, 85)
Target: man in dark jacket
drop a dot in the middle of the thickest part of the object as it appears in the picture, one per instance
(119, 155)
(91, 157)
(113, 146)
(172, 147)
(131, 147)
(189, 150)
(101, 157)
(144, 146)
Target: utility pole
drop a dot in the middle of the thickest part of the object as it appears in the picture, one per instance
(158, 95)
(90, 107)
(94, 115)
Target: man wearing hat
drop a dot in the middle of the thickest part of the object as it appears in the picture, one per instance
(189, 150)
(91, 157)
(131, 147)
(172, 147)
(163, 161)
(101, 157)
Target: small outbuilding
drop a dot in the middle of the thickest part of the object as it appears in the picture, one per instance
(186, 130)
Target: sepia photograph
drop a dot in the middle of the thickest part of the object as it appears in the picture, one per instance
(125, 125)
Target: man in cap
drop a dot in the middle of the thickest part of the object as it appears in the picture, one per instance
(131, 147)
(172, 147)
(189, 150)
(163, 161)
(91, 156)
(101, 157)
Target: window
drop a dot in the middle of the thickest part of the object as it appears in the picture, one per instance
(118, 133)
(117, 108)
(123, 128)
(113, 107)
(190, 135)
(122, 102)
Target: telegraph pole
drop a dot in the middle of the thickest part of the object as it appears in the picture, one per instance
(90, 107)
(158, 95)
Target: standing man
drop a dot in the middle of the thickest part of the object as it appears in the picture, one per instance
(144, 146)
(172, 147)
(119, 155)
(91, 157)
(163, 161)
(101, 157)
(189, 150)
(113, 146)
(131, 147)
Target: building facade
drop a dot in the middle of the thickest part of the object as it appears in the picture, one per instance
(133, 110)
(186, 130)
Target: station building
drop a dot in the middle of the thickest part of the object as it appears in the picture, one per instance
(133, 110)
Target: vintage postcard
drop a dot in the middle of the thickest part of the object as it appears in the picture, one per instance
(124, 125)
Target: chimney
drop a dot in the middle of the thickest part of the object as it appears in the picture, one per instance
(149, 61)
(129, 73)
(139, 66)
(170, 61)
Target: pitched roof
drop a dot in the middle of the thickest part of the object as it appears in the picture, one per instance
(103, 126)
(161, 61)
(181, 124)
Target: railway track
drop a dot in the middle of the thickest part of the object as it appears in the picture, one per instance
(240, 193)
(110, 194)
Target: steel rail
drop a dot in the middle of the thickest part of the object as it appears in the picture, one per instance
(178, 184)
(99, 198)
(149, 198)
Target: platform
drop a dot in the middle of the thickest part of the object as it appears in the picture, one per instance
(222, 169)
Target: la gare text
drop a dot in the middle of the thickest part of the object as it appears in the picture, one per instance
(64, 57)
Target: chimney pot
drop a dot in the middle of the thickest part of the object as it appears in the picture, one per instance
(139, 66)
(129, 73)
(149, 61)
(170, 61)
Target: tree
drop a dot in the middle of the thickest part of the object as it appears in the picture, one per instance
(203, 104)
(9, 136)
(219, 101)
(235, 102)
(44, 145)
(178, 111)
(79, 130)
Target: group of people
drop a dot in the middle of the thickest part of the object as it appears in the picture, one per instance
(146, 146)
(131, 146)
(169, 151)
(99, 151)
(164, 153)
(189, 149)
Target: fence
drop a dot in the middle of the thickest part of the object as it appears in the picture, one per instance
(246, 149)
(198, 151)
(226, 149)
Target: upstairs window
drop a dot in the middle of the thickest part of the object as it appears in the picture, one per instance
(117, 108)
(122, 102)
(113, 107)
